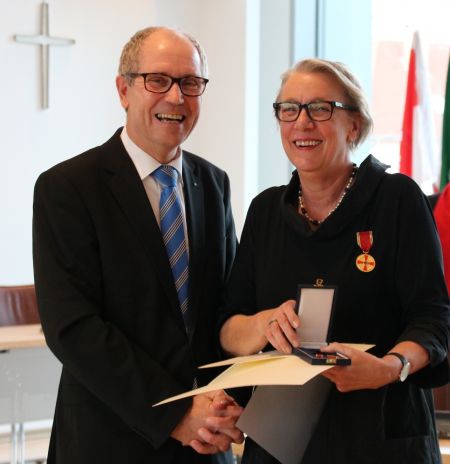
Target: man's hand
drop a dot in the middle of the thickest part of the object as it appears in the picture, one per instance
(210, 424)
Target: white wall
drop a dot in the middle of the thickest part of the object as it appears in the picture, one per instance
(83, 111)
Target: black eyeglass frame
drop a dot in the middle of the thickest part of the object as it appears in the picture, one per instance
(300, 106)
(173, 80)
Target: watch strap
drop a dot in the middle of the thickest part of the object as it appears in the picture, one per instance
(404, 371)
(403, 360)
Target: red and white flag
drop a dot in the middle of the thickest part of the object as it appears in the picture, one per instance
(419, 156)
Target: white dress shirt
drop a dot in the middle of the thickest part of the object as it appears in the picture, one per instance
(145, 164)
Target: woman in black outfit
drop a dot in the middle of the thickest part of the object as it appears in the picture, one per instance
(372, 235)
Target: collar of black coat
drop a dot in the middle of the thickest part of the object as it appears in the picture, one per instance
(365, 185)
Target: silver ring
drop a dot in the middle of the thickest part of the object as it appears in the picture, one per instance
(271, 321)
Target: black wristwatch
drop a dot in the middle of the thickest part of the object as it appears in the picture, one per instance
(406, 365)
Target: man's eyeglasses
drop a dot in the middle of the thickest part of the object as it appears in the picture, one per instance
(192, 86)
(316, 111)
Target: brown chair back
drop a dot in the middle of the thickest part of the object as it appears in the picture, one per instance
(18, 305)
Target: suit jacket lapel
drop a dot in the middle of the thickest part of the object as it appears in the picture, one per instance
(127, 188)
(195, 219)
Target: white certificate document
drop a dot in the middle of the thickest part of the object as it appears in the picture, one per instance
(271, 368)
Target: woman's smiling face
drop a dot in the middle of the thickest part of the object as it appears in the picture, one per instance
(317, 145)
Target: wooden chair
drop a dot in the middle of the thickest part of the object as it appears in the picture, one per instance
(18, 305)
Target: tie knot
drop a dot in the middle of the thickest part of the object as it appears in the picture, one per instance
(166, 175)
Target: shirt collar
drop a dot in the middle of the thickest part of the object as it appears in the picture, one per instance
(144, 162)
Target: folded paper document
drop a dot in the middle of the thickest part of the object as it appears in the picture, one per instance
(271, 368)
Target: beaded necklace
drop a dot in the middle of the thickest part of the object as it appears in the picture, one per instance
(316, 222)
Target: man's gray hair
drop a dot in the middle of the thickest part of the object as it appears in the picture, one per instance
(129, 59)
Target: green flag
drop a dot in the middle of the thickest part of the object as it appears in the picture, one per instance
(445, 167)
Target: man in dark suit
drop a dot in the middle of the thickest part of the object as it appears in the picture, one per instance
(108, 302)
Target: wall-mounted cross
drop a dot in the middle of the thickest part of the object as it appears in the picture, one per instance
(44, 40)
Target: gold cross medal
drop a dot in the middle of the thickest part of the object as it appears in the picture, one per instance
(365, 262)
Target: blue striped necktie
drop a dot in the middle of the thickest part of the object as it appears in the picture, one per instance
(172, 230)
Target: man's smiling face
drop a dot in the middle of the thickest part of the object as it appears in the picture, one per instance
(159, 122)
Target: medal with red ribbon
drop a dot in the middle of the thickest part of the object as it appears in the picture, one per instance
(365, 262)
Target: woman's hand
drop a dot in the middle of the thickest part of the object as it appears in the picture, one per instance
(278, 326)
(368, 371)
(365, 372)
(243, 335)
